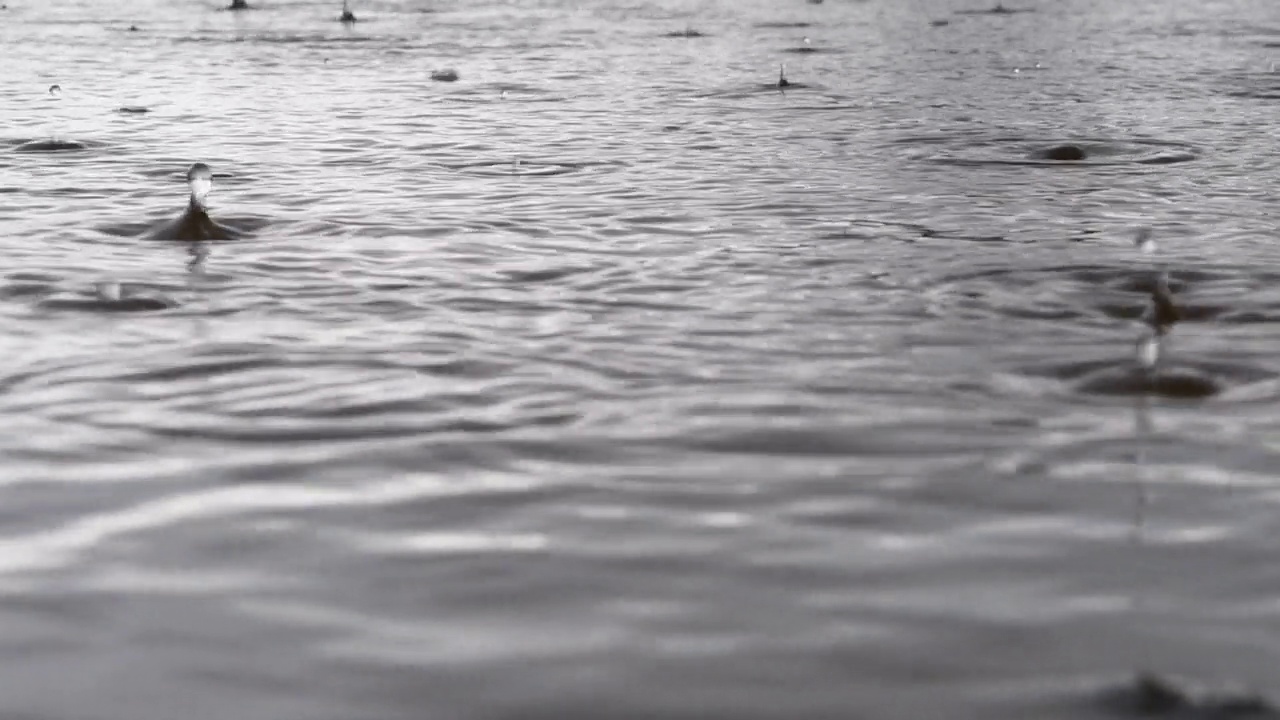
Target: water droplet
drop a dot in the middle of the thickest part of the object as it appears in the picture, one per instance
(1148, 351)
(1144, 242)
(200, 179)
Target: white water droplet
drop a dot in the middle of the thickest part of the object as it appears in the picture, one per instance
(1144, 242)
(1148, 351)
(200, 178)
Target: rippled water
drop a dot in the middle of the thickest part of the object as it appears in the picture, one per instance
(612, 380)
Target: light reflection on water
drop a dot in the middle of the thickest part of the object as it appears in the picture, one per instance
(613, 375)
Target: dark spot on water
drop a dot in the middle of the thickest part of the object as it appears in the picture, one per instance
(51, 146)
(783, 25)
(1060, 152)
(1149, 695)
(25, 289)
(940, 23)
(449, 75)
(238, 5)
(1122, 377)
(783, 83)
(1178, 378)
(971, 149)
(999, 9)
(1186, 312)
(133, 28)
(688, 33)
(541, 275)
(926, 232)
(133, 110)
(802, 49)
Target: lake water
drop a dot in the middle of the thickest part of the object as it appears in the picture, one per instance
(612, 380)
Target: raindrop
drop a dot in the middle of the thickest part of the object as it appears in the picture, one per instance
(200, 180)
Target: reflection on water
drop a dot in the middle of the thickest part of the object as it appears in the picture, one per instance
(570, 351)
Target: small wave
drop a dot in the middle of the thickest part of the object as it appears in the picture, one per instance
(516, 167)
(1257, 85)
(53, 145)
(999, 9)
(90, 303)
(1184, 379)
(238, 226)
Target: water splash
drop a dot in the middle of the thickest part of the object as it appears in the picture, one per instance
(200, 180)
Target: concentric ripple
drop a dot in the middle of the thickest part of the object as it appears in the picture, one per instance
(517, 166)
(1090, 152)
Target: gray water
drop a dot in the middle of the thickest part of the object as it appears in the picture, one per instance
(646, 389)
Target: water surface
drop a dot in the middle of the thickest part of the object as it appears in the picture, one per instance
(612, 380)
